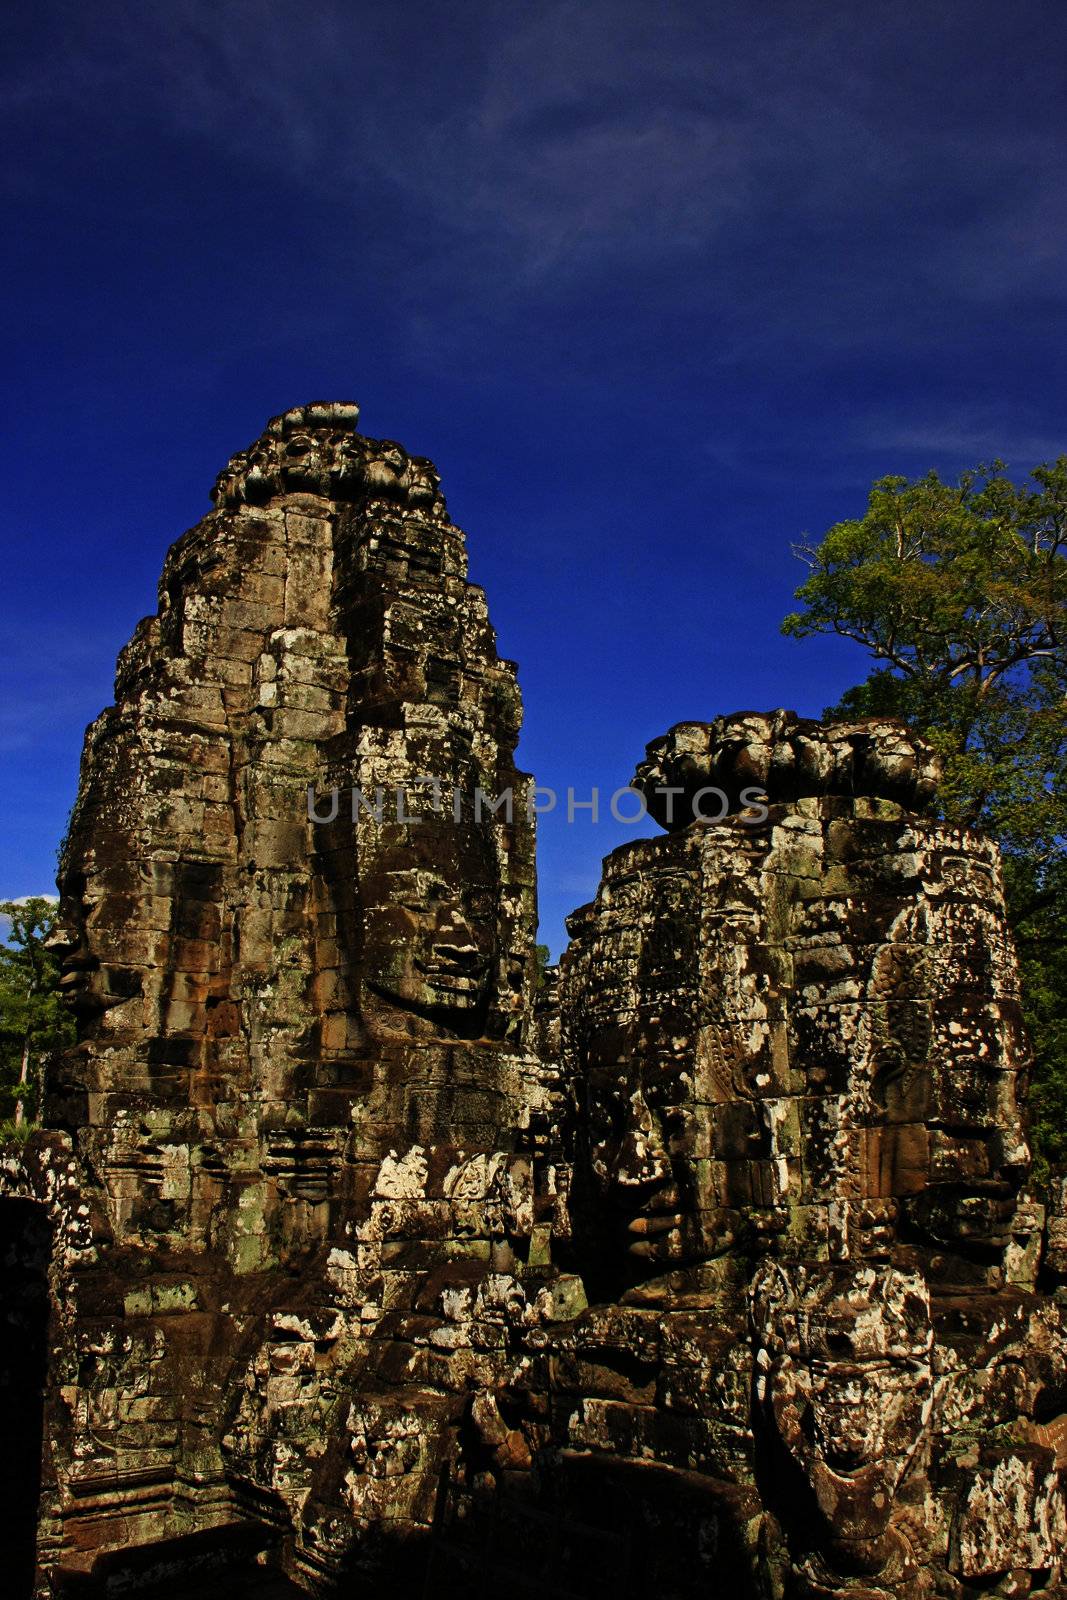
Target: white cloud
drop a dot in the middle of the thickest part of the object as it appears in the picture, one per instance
(20, 900)
(957, 434)
(537, 147)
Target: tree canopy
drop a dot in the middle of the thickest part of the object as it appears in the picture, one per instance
(33, 1022)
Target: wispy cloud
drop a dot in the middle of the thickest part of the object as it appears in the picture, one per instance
(546, 147)
(966, 434)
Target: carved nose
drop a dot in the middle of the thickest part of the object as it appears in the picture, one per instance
(62, 939)
(463, 957)
(1010, 1152)
(642, 1158)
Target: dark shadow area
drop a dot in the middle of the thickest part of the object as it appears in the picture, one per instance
(25, 1251)
(580, 1528)
(219, 1564)
(591, 1527)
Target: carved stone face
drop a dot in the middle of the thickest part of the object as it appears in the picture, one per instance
(904, 1021)
(648, 1141)
(670, 1041)
(79, 982)
(385, 471)
(784, 756)
(978, 1151)
(97, 933)
(813, 1027)
(430, 918)
(860, 1381)
(844, 1375)
(978, 1155)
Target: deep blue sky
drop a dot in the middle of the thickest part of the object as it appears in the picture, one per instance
(660, 288)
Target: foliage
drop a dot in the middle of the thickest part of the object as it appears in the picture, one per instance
(1040, 925)
(960, 594)
(12, 1132)
(33, 1022)
(542, 957)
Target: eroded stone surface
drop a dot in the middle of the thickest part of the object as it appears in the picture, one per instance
(795, 1052)
(305, 1118)
(710, 769)
(705, 1266)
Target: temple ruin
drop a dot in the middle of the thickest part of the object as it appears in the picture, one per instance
(355, 1256)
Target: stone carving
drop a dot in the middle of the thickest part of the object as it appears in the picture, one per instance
(704, 1264)
(708, 769)
(770, 1029)
(313, 449)
(794, 1047)
(844, 1390)
(301, 954)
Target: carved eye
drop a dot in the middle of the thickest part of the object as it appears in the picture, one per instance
(73, 884)
(605, 1116)
(600, 1117)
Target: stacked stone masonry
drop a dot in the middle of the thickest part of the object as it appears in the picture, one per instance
(706, 1265)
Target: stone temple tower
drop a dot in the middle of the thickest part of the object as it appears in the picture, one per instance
(298, 914)
(356, 1257)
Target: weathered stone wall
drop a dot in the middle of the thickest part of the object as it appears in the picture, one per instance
(306, 1119)
(704, 1266)
(816, 1021)
(796, 1054)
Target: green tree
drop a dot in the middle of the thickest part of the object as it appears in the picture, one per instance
(959, 592)
(33, 1022)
